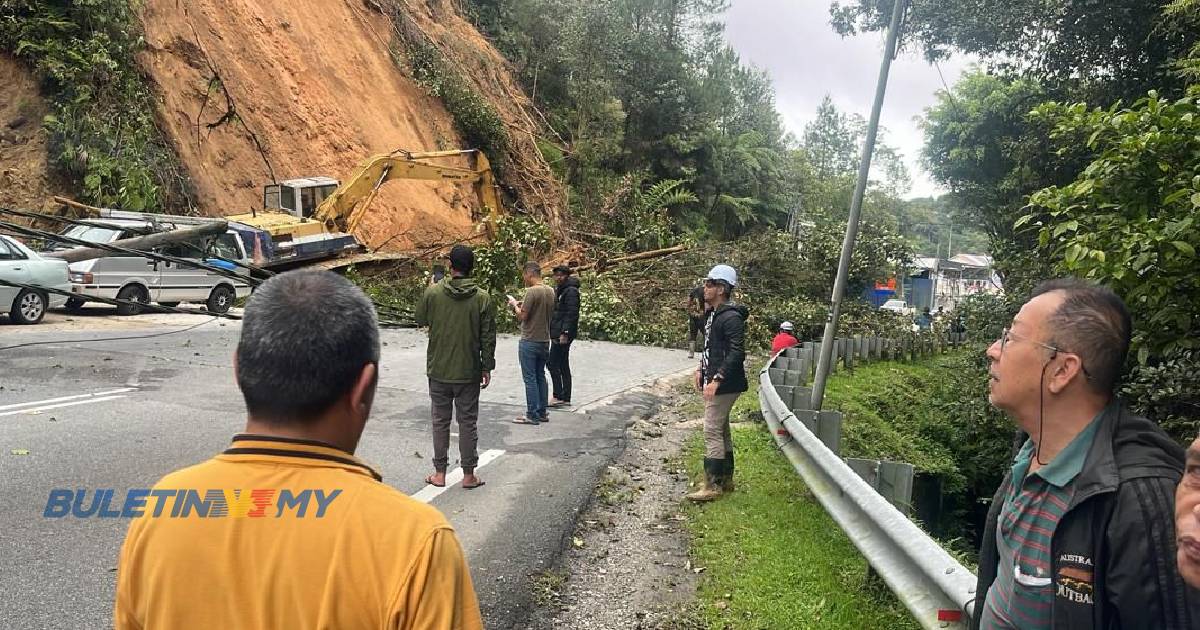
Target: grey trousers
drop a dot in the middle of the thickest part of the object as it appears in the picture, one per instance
(717, 440)
(465, 398)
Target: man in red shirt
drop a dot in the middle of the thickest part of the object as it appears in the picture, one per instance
(785, 338)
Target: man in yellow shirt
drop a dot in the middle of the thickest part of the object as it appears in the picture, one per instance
(286, 528)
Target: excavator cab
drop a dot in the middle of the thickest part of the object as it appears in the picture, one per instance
(298, 197)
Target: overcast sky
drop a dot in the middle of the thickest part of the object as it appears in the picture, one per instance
(793, 41)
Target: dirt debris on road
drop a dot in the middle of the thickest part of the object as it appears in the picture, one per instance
(627, 564)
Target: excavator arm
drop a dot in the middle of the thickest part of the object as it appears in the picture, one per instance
(345, 207)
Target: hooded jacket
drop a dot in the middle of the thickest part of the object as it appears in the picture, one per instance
(566, 310)
(462, 330)
(1113, 551)
(725, 348)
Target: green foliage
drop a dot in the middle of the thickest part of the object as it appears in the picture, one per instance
(476, 119)
(933, 414)
(518, 240)
(981, 144)
(1130, 219)
(1107, 48)
(638, 216)
(986, 316)
(833, 145)
(607, 314)
(102, 130)
(645, 302)
(933, 225)
(647, 91)
(1167, 390)
(773, 557)
(1181, 18)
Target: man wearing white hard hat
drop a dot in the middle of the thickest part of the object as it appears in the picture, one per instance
(785, 339)
(722, 378)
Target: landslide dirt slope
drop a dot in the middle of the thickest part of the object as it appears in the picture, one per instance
(313, 91)
(24, 176)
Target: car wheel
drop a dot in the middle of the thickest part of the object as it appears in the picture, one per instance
(132, 293)
(28, 308)
(220, 299)
(74, 304)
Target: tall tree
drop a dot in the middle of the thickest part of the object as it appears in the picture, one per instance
(1105, 49)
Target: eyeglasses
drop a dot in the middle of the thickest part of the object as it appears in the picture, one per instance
(1008, 335)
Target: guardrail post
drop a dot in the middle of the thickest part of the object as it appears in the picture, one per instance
(785, 392)
(848, 354)
(777, 375)
(892, 480)
(829, 430)
(801, 399)
(895, 484)
(792, 378)
(826, 425)
(805, 370)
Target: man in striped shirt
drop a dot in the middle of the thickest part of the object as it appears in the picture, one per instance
(1081, 531)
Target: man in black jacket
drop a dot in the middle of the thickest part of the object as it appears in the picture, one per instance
(564, 327)
(722, 378)
(1080, 533)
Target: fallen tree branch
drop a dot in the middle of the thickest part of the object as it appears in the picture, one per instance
(603, 264)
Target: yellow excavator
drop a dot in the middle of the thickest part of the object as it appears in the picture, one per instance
(315, 217)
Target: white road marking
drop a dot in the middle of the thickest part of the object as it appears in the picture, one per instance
(455, 477)
(49, 401)
(36, 410)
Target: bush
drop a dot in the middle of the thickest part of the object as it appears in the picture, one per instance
(101, 126)
(934, 415)
(476, 119)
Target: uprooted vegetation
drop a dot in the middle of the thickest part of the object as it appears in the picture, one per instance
(103, 139)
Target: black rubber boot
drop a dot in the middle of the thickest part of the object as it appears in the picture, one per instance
(727, 472)
(713, 469)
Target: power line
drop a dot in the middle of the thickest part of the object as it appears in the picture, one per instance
(383, 323)
(149, 336)
(401, 315)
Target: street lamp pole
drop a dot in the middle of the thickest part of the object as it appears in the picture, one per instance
(864, 170)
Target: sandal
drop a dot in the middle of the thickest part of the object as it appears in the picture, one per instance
(472, 487)
(429, 480)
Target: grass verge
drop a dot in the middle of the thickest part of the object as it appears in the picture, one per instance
(773, 558)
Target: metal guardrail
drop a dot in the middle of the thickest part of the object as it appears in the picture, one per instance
(936, 588)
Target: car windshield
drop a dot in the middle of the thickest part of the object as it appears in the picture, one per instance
(90, 233)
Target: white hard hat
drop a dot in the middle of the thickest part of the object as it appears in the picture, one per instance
(786, 326)
(725, 273)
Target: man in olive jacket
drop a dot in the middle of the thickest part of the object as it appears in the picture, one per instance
(1081, 532)
(459, 361)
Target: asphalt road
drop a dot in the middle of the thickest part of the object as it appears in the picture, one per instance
(120, 414)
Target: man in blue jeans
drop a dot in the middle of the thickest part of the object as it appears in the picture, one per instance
(534, 350)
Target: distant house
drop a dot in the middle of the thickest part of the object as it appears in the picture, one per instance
(941, 282)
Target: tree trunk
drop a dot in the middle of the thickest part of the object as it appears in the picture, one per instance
(149, 241)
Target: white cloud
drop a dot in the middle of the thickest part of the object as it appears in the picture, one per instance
(793, 41)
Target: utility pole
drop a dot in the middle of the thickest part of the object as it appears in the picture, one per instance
(864, 170)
